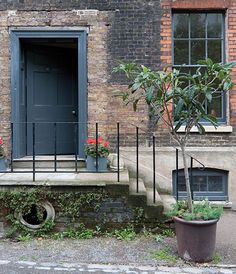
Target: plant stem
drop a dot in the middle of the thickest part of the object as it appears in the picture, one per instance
(187, 182)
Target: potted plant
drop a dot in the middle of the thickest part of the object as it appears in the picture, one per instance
(178, 99)
(97, 152)
(3, 162)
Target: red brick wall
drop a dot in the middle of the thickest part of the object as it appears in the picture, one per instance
(230, 27)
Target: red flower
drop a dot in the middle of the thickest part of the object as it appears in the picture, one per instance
(100, 140)
(106, 144)
(1, 141)
(91, 141)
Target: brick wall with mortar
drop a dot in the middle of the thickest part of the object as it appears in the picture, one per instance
(124, 31)
(119, 30)
(117, 208)
(209, 139)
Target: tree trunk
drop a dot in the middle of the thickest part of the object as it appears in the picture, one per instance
(187, 182)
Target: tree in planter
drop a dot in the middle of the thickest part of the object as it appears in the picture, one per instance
(178, 99)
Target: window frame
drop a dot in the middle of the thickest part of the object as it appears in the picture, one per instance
(223, 119)
(207, 172)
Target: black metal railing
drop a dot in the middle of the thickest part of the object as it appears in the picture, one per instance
(192, 159)
(55, 154)
(138, 134)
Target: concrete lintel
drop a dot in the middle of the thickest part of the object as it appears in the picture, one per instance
(48, 28)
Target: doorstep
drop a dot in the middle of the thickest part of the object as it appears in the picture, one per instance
(66, 179)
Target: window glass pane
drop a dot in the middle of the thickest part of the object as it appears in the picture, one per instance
(199, 183)
(186, 70)
(214, 25)
(215, 107)
(197, 51)
(215, 183)
(182, 186)
(197, 21)
(180, 25)
(214, 50)
(181, 52)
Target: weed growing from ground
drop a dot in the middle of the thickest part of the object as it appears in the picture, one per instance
(127, 234)
(216, 259)
(164, 255)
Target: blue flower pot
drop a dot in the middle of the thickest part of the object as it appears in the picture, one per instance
(91, 163)
(3, 164)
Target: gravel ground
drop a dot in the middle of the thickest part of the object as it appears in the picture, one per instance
(101, 250)
(107, 250)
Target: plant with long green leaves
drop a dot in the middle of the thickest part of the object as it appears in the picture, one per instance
(177, 99)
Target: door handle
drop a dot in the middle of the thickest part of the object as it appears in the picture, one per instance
(74, 112)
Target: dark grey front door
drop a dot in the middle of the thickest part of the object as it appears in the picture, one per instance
(51, 98)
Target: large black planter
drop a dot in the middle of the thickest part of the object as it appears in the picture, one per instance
(196, 239)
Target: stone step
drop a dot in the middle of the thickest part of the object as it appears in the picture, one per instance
(154, 210)
(150, 198)
(133, 187)
(168, 201)
(163, 184)
(39, 163)
(137, 198)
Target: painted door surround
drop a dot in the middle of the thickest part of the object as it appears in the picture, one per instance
(15, 36)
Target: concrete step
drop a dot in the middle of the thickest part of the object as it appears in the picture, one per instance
(150, 198)
(137, 198)
(168, 201)
(40, 163)
(154, 210)
(133, 187)
(163, 184)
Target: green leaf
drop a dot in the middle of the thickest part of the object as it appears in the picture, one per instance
(209, 96)
(200, 128)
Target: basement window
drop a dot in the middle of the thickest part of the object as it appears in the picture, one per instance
(208, 183)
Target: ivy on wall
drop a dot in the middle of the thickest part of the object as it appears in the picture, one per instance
(20, 202)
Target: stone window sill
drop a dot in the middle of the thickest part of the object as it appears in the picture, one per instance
(212, 129)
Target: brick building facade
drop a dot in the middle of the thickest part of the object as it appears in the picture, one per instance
(131, 30)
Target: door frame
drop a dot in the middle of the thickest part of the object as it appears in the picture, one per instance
(81, 36)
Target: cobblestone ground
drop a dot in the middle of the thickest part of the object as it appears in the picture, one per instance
(26, 267)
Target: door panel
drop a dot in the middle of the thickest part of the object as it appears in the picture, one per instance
(51, 98)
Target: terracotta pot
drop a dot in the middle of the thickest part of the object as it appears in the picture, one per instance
(196, 239)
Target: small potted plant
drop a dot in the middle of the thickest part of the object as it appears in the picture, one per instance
(3, 164)
(97, 152)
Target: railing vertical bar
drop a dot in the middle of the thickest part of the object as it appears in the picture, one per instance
(96, 146)
(118, 152)
(33, 128)
(191, 176)
(76, 147)
(55, 147)
(12, 146)
(177, 173)
(154, 168)
(137, 159)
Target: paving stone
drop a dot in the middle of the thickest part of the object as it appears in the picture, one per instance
(4, 262)
(192, 270)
